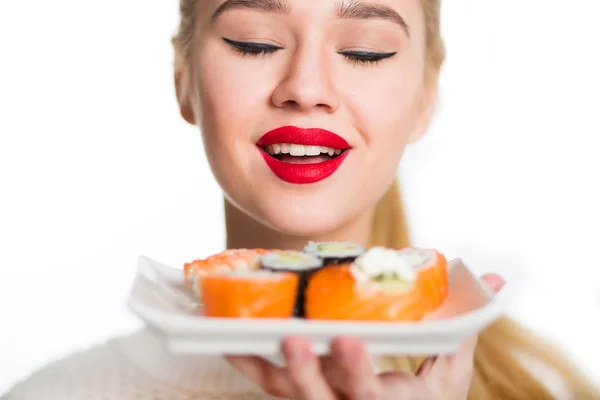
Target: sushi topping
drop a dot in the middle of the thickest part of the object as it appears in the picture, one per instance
(251, 274)
(290, 261)
(199, 270)
(384, 267)
(333, 249)
(388, 277)
(418, 258)
(232, 259)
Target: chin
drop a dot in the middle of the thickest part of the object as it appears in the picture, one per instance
(305, 216)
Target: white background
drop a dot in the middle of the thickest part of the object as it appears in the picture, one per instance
(97, 167)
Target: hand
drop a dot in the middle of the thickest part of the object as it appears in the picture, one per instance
(347, 373)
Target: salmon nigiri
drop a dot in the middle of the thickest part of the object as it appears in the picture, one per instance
(380, 285)
(249, 294)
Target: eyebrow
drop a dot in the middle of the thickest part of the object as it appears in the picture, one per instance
(272, 6)
(356, 10)
(347, 9)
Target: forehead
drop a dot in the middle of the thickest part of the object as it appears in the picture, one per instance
(407, 9)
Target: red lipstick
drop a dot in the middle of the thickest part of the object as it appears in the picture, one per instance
(305, 137)
(305, 169)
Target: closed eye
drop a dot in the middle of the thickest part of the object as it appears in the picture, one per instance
(366, 57)
(252, 48)
(257, 49)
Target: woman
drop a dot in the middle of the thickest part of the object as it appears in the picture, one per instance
(316, 101)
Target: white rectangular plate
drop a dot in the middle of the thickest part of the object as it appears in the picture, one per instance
(160, 298)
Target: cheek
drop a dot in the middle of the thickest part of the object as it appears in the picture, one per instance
(226, 94)
(385, 108)
(231, 94)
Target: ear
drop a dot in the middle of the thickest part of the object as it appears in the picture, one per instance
(426, 111)
(182, 91)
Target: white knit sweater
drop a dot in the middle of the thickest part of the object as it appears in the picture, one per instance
(140, 367)
(137, 367)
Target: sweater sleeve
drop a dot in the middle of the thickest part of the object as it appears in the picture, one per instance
(96, 374)
(107, 373)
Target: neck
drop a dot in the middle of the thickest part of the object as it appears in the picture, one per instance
(244, 231)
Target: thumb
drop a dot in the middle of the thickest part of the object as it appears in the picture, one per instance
(494, 281)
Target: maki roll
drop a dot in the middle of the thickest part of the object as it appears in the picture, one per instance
(431, 268)
(249, 294)
(300, 263)
(335, 252)
(381, 285)
(228, 260)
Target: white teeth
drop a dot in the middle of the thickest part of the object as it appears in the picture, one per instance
(300, 150)
(297, 150)
(312, 150)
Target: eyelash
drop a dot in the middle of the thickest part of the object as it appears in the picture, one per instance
(260, 49)
(252, 48)
(366, 57)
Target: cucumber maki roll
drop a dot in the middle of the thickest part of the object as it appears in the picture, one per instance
(335, 252)
(302, 264)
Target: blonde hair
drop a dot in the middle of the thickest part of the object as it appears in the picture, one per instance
(498, 372)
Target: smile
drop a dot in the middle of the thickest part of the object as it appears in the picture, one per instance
(303, 156)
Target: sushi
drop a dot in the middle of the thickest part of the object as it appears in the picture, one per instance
(334, 252)
(431, 268)
(249, 294)
(228, 260)
(326, 281)
(380, 285)
(296, 262)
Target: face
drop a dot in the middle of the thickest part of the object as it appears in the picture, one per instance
(305, 106)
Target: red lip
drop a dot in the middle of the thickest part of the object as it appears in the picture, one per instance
(306, 137)
(303, 173)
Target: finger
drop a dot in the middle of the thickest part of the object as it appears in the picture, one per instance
(331, 372)
(400, 385)
(495, 282)
(271, 379)
(435, 369)
(450, 373)
(444, 366)
(463, 359)
(426, 366)
(304, 371)
(456, 369)
(357, 379)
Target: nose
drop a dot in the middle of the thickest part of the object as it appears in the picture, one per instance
(306, 85)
